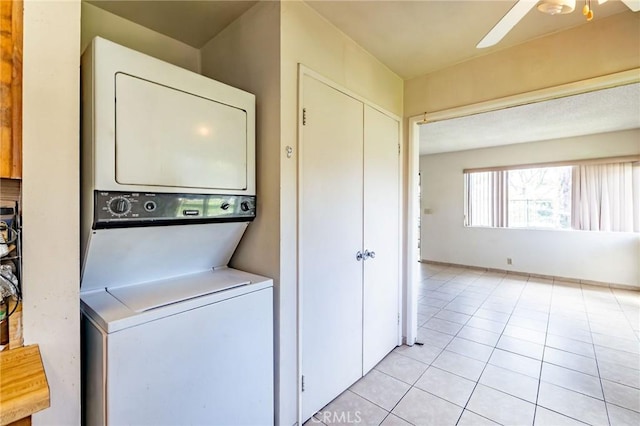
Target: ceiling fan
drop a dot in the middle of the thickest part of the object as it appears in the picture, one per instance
(550, 7)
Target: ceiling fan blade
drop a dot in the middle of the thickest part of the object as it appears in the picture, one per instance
(634, 5)
(508, 21)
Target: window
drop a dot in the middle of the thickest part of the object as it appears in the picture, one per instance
(539, 198)
(596, 196)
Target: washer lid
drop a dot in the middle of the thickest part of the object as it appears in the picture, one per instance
(147, 296)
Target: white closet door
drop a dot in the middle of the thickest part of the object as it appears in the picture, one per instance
(330, 220)
(381, 235)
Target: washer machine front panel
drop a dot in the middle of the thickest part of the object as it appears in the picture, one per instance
(212, 363)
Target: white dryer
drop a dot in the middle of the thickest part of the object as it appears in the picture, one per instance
(170, 334)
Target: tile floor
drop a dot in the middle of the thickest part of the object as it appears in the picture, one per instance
(505, 349)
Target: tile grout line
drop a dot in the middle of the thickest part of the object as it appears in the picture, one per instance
(544, 349)
(443, 349)
(492, 351)
(528, 290)
(411, 386)
(454, 336)
(625, 314)
(595, 354)
(535, 405)
(577, 371)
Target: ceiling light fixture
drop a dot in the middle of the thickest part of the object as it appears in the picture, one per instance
(551, 7)
(587, 11)
(556, 7)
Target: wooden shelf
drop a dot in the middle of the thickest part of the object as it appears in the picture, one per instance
(23, 384)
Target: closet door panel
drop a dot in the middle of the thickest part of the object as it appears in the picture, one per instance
(381, 235)
(330, 221)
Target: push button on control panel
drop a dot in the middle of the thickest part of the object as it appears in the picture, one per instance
(150, 206)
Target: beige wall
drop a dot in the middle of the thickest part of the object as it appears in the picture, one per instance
(610, 257)
(52, 42)
(50, 200)
(98, 22)
(246, 55)
(309, 39)
(602, 47)
(250, 48)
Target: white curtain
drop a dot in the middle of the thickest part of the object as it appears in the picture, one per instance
(485, 199)
(604, 198)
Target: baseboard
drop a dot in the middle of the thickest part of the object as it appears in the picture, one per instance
(530, 275)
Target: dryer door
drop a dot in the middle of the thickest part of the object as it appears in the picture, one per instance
(170, 138)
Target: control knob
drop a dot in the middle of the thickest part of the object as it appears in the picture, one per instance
(245, 206)
(119, 206)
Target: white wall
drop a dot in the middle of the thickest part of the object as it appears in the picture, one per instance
(98, 22)
(610, 257)
(50, 208)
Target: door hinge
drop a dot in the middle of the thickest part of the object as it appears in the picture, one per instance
(398, 149)
(302, 383)
(398, 319)
(304, 116)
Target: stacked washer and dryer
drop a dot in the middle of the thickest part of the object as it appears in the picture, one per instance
(170, 334)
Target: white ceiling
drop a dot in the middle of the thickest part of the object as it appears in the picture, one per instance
(412, 38)
(589, 113)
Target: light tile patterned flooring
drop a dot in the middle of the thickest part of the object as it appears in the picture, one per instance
(505, 349)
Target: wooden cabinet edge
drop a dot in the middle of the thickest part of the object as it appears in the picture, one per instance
(24, 389)
(11, 80)
(16, 88)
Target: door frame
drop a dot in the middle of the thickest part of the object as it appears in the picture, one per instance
(412, 215)
(302, 72)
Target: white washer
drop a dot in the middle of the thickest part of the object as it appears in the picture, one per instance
(171, 335)
(206, 359)
(189, 348)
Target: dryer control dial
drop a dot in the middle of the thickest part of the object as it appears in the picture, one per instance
(119, 206)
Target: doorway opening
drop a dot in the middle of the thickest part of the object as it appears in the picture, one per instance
(415, 245)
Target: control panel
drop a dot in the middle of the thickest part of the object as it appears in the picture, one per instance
(113, 208)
